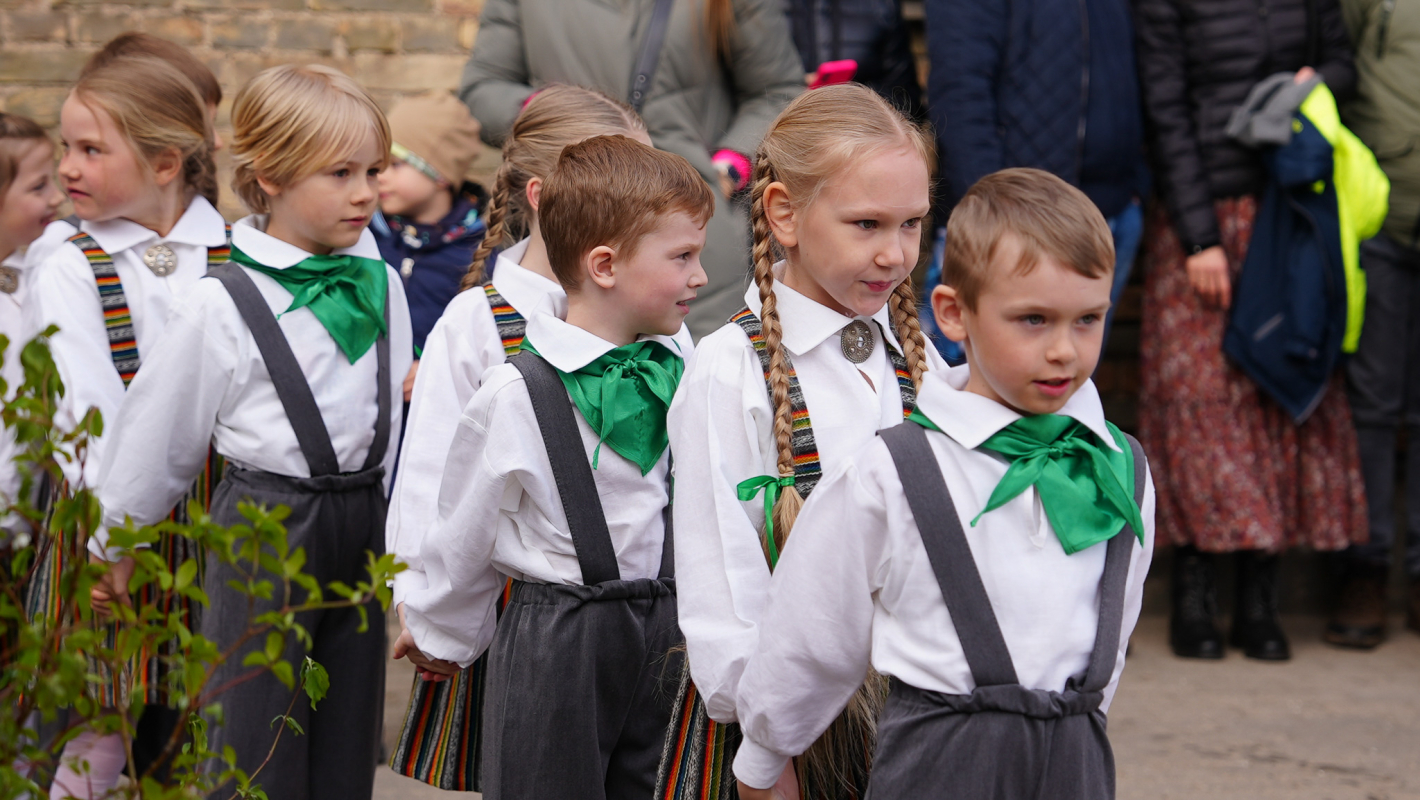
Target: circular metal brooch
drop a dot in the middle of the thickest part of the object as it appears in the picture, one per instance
(9, 280)
(857, 341)
(161, 260)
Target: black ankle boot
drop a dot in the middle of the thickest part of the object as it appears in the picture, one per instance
(1192, 632)
(1256, 628)
(1359, 619)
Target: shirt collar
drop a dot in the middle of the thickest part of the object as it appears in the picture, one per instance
(569, 348)
(199, 225)
(971, 419)
(528, 292)
(807, 323)
(249, 235)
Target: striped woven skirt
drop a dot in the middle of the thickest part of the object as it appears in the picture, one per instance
(442, 738)
(146, 673)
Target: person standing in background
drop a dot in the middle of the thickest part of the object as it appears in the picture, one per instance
(1384, 374)
(872, 34)
(723, 71)
(1049, 84)
(1234, 474)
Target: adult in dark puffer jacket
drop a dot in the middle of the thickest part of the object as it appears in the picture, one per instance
(1233, 473)
(872, 33)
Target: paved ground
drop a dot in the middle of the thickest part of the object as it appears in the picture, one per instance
(1329, 725)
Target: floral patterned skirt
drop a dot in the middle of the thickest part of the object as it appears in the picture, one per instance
(1231, 470)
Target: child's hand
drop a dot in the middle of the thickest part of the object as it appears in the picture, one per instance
(430, 669)
(112, 587)
(409, 380)
(747, 793)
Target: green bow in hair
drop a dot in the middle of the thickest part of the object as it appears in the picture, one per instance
(771, 486)
(624, 395)
(1086, 489)
(346, 293)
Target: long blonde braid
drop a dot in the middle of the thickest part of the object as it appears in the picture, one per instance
(495, 217)
(909, 330)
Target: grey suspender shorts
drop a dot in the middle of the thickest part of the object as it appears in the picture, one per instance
(1002, 741)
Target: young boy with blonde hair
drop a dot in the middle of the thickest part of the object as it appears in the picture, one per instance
(571, 504)
(989, 554)
(289, 361)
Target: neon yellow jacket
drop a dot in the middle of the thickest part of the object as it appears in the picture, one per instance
(1362, 199)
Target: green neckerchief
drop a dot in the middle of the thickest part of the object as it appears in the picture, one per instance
(346, 293)
(1087, 490)
(624, 395)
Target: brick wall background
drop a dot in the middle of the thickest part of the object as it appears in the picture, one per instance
(393, 47)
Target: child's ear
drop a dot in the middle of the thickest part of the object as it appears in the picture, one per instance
(167, 166)
(534, 193)
(780, 213)
(271, 189)
(948, 309)
(599, 265)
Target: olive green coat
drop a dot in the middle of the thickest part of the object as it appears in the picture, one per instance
(696, 105)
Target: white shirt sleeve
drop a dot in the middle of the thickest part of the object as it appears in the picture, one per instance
(816, 633)
(452, 617)
(450, 371)
(159, 439)
(719, 426)
(65, 295)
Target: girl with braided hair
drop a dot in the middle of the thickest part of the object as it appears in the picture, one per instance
(826, 351)
(480, 328)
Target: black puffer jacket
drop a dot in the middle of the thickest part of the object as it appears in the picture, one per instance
(1197, 61)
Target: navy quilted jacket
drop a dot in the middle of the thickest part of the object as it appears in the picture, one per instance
(1049, 84)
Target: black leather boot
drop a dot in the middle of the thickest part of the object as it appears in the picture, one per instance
(1359, 621)
(1256, 628)
(1192, 631)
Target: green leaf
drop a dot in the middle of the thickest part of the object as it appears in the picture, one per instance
(282, 671)
(316, 681)
(186, 573)
(273, 646)
(295, 726)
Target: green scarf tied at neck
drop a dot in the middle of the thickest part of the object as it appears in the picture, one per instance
(624, 395)
(1087, 489)
(346, 293)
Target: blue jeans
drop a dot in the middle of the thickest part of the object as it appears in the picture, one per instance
(1127, 228)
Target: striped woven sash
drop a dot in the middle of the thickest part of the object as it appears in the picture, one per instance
(511, 325)
(118, 320)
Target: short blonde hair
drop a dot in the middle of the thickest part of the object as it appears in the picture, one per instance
(290, 121)
(613, 191)
(1043, 214)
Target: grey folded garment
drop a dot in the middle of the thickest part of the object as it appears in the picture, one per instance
(1265, 117)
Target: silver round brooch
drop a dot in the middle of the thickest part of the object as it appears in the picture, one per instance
(161, 260)
(9, 280)
(857, 341)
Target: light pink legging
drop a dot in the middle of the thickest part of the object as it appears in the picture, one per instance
(104, 757)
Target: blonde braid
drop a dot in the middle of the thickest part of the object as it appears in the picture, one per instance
(909, 330)
(495, 229)
(786, 509)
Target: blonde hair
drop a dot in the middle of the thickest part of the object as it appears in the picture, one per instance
(290, 121)
(818, 134)
(555, 117)
(136, 43)
(1043, 214)
(156, 108)
(17, 135)
(613, 191)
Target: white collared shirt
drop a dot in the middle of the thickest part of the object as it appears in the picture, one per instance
(66, 295)
(206, 382)
(721, 426)
(463, 345)
(500, 512)
(883, 604)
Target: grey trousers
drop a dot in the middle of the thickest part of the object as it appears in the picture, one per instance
(1383, 382)
(581, 681)
(998, 743)
(336, 518)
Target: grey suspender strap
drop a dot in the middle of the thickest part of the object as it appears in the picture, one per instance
(290, 382)
(650, 53)
(950, 555)
(570, 469)
(668, 545)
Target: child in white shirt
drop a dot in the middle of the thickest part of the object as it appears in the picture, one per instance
(827, 351)
(288, 361)
(572, 505)
(993, 567)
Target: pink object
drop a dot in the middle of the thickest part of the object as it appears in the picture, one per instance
(104, 758)
(739, 161)
(831, 72)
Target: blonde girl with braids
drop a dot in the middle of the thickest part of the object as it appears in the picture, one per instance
(138, 167)
(479, 329)
(826, 352)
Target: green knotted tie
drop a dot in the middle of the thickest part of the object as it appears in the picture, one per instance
(1086, 489)
(346, 293)
(771, 486)
(624, 395)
